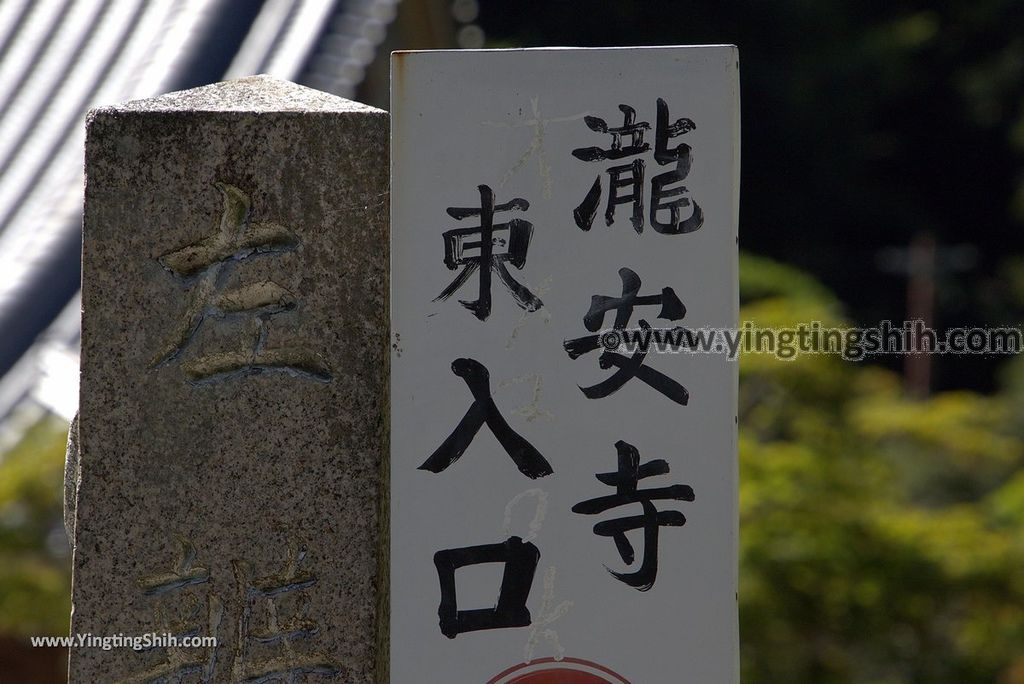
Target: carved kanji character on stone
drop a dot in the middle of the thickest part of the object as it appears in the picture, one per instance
(183, 612)
(262, 622)
(205, 267)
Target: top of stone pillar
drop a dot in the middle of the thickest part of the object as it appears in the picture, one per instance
(253, 94)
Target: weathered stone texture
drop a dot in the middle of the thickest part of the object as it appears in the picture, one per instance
(232, 408)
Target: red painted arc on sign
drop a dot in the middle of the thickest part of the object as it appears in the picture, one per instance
(564, 671)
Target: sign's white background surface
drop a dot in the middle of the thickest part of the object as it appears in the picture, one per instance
(510, 120)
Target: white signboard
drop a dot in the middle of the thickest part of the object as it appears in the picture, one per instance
(563, 505)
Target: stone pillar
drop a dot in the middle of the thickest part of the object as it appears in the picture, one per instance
(233, 394)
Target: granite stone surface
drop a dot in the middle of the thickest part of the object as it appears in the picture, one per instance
(233, 392)
(71, 478)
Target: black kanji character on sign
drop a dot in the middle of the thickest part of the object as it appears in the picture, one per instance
(629, 127)
(634, 172)
(661, 193)
(625, 480)
(513, 236)
(483, 410)
(625, 182)
(520, 559)
(671, 309)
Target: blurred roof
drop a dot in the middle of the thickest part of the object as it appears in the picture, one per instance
(58, 59)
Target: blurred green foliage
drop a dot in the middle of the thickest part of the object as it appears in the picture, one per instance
(880, 536)
(35, 564)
